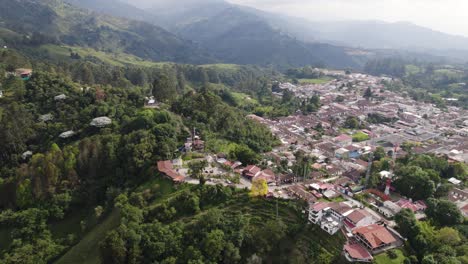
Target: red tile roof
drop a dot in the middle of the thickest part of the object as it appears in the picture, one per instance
(358, 215)
(356, 251)
(167, 168)
(320, 206)
(375, 235)
(343, 137)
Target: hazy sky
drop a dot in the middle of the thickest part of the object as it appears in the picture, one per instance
(449, 16)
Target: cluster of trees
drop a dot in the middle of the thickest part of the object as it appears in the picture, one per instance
(198, 225)
(418, 175)
(307, 72)
(430, 244)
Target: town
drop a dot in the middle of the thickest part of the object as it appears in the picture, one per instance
(359, 118)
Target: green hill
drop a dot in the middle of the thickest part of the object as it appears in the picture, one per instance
(53, 21)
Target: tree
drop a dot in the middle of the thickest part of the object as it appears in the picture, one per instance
(407, 223)
(368, 93)
(448, 236)
(444, 212)
(196, 169)
(379, 153)
(259, 188)
(213, 244)
(163, 89)
(112, 249)
(352, 122)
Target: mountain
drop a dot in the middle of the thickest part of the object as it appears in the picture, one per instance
(378, 35)
(114, 8)
(235, 34)
(70, 25)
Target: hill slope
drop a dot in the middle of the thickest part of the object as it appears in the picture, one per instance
(234, 34)
(73, 26)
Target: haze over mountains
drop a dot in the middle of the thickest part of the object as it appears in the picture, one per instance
(209, 31)
(206, 20)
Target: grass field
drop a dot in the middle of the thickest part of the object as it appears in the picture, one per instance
(115, 59)
(87, 250)
(243, 100)
(315, 81)
(385, 259)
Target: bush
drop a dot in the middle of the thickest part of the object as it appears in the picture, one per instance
(392, 254)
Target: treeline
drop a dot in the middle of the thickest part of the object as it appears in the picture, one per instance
(200, 225)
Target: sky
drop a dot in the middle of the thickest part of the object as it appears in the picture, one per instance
(450, 16)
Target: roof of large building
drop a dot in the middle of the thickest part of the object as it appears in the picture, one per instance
(358, 215)
(375, 235)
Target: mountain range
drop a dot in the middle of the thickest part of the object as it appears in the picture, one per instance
(209, 31)
(232, 33)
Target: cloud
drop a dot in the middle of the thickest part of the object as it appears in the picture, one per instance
(444, 15)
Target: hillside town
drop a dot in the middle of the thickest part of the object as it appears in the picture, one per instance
(359, 116)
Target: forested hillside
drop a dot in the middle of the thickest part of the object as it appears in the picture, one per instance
(74, 190)
(233, 34)
(55, 22)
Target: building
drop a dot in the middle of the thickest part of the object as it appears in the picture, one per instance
(389, 209)
(359, 218)
(354, 252)
(375, 237)
(251, 171)
(343, 140)
(316, 211)
(167, 169)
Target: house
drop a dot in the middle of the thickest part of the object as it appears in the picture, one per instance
(359, 218)
(299, 191)
(353, 151)
(167, 169)
(389, 209)
(342, 153)
(267, 175)
(375, 237)
(332, 217)
(343, 140)
(251, 171)
(355, 252)
(24, 74)
(316, 211)
(418, 206)
(287, 178)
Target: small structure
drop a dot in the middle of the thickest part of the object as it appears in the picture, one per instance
(101, 122)
(166, 168)
(24, 74)
(454, 181)
(1, 93)
(60, 97)
(46, 118)
(26, 155)
(67, 134)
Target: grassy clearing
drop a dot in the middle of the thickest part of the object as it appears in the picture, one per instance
(87, 250)
(115, 59)
(412, 69)
(315, 81)
(243, 100)
(225, 67)
(385, 259)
